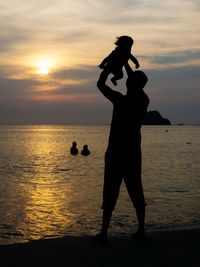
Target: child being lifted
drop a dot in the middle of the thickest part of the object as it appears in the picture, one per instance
(115, 61)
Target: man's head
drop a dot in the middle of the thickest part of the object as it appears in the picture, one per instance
(136, 81)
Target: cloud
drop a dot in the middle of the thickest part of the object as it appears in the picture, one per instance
(11, 36)
(76, 84)
(71, 98)
(195, 3)
(175, 57)
(13, 88)
(175, 93)
(87, 72)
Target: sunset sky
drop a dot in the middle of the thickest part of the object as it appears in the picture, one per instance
(50, 51)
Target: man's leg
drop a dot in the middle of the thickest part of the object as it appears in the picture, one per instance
(107, 214)
(140, 212)
(117, 76)
(102, 237)
(135, 190)
(109, 202)
(112, 182)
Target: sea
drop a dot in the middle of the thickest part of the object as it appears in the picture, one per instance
(45, 192)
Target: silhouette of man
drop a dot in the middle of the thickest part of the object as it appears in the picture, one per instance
(123, 155)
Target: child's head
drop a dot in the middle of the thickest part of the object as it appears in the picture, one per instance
(124, 41)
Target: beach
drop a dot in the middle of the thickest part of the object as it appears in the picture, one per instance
(166, 248)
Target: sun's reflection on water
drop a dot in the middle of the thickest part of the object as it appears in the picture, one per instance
(46, 211)
(46, 200)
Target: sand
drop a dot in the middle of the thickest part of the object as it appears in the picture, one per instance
(172, 248)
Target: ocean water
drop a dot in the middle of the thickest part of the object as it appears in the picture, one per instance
(45, 192)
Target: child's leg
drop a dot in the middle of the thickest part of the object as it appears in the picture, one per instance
(117, 76)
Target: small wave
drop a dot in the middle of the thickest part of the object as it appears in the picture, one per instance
(9, 234)
(63, 169)
(174, 190)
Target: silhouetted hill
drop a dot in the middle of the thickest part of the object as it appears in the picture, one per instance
(154, 118)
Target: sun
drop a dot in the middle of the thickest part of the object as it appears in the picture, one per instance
(44, 66)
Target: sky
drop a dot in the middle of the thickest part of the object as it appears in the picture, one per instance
(50, 52)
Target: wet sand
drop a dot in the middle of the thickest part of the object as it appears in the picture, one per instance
(169, 248)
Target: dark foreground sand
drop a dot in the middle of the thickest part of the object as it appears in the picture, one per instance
(178, 248)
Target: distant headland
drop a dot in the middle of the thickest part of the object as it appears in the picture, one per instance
(154, 118)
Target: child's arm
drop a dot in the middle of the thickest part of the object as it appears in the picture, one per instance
(106, 60)
(135, 61)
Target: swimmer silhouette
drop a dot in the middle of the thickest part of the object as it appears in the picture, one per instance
(74, 149)
(85, 151)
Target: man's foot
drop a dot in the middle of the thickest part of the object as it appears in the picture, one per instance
(139, 236)
(114, 81)
(100, 238)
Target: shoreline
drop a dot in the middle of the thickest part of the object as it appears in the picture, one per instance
(113, 235)
(165, 248)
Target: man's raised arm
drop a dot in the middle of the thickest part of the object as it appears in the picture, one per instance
(105, 89)
(102, 80)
